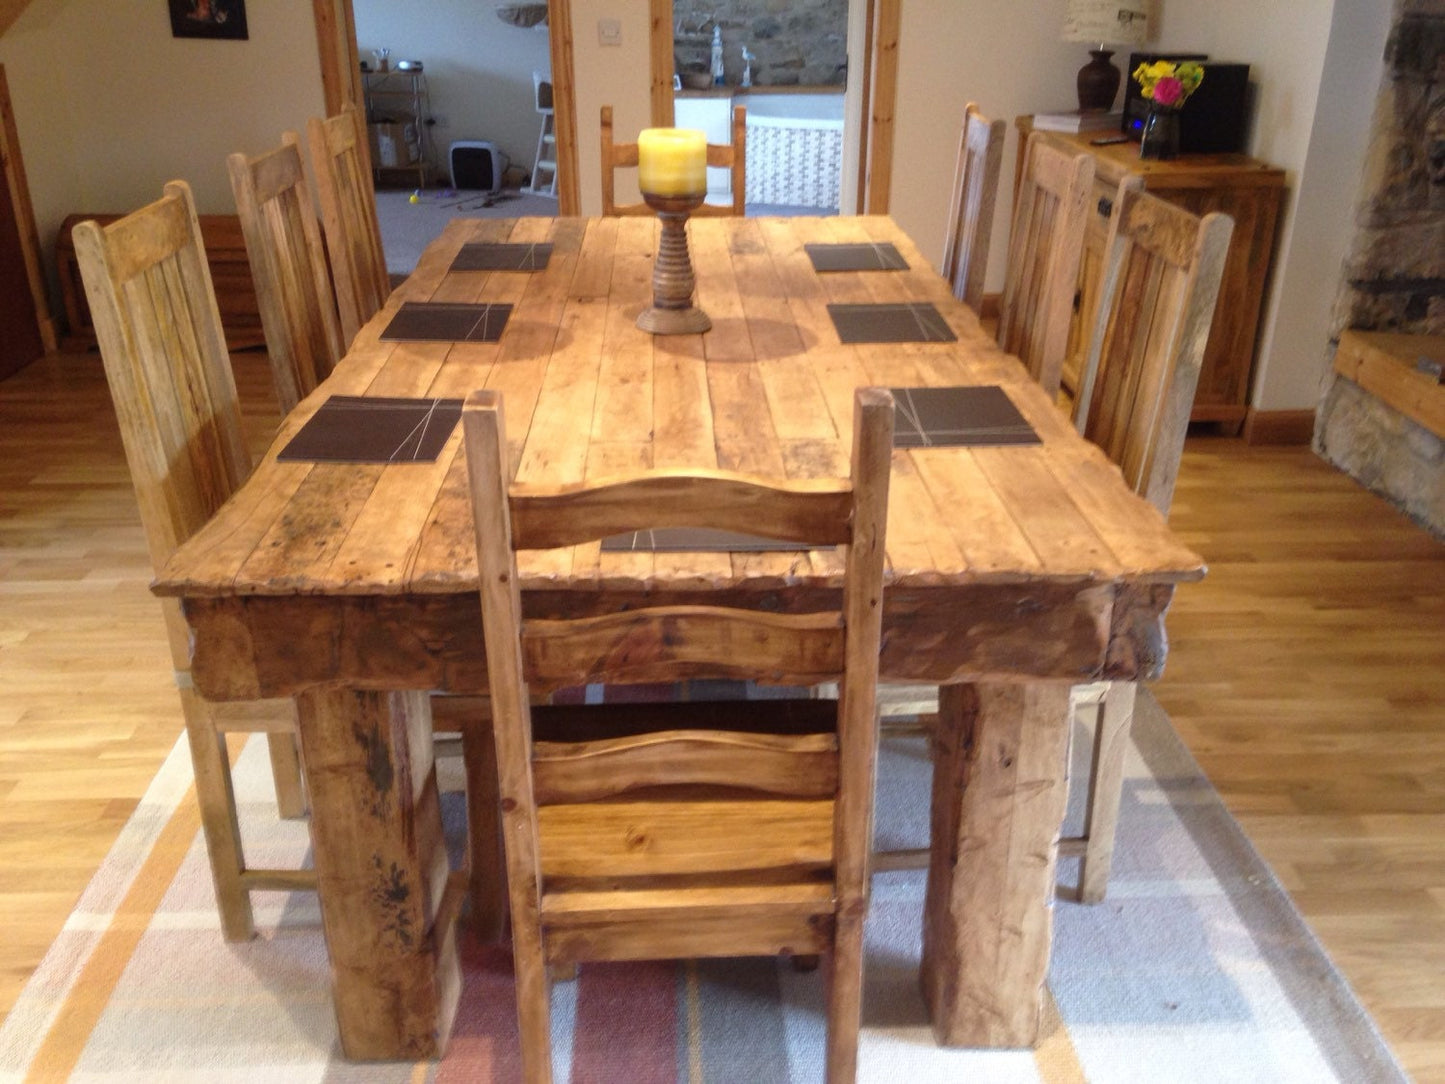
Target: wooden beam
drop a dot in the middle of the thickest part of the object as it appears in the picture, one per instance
(336, 46)
(1384, 364)
(865, 99)
(24, 212)
(660, 46)
(10, 10)
(885, 98)
(564, 106)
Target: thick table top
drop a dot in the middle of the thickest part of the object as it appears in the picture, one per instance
(587, 394)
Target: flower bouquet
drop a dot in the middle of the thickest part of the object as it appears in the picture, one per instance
(1166, 85)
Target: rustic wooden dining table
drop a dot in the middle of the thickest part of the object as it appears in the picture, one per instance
(1013, 572)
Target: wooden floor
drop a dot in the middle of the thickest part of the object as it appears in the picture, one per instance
(1307, 674)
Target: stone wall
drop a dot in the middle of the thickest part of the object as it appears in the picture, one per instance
(793, 42)
(1394, 275)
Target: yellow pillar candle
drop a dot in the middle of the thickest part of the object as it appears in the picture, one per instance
(672, 162)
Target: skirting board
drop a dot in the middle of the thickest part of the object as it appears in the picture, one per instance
(1279, 426)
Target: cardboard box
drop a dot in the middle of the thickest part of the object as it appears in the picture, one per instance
(394, 143)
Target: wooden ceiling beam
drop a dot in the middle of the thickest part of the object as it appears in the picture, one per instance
(10, 10)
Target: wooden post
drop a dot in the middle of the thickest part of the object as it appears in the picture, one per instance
(998, 800)
(382, 872)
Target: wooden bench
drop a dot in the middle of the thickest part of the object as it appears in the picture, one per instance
(230, 274)
(1387, 364)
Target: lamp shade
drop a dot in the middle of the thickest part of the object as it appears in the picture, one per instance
(1108, 22)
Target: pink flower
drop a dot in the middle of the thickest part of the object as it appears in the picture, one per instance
(1168, 91)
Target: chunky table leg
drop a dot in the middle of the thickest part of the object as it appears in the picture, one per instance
(998, 801)
(388, 903)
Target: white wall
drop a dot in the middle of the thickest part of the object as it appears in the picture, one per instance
(478, 69)
(615, 75)
(1284, 42)
(1294, 351)
(109, 106)
(1307, 119)
(1005, 55)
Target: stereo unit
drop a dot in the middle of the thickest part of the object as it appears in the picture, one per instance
(477, 165)
(1214, 119)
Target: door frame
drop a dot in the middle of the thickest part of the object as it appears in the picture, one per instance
(14, 166)
(878, 89)
(341, 80)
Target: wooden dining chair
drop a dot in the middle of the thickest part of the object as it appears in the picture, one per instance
(684, 830)
(342, 168)
(1045, 244)
(298, 313)
(288, 266)
(731, 156)
(970, 211)
(1161, 280)
(165, 358)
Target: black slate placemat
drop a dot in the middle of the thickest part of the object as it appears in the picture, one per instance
(911, 322)
(695, 540)
(943, 417)
(434, 321)
(354, 429)
(495, 256)
(881, 256)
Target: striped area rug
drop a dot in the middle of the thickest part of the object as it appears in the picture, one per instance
(1196, 967)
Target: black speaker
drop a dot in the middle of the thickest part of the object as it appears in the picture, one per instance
(1213, 120)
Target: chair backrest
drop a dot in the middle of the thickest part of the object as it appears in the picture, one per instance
(342, 167)
(970, 211)
(159, 330)
(678, 642)
(288, 265)
(1156, 304)
(1045, 243)
(542, 92)
(731, 156)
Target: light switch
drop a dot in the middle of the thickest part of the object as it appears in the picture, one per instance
(609, 32)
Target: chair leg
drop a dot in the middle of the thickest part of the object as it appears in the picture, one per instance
(217, 800)
(488, 884)
(533, 1011)
(845, 1000)
(1106, 785)
(291, 801)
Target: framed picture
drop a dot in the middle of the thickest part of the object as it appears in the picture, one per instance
(209, 19)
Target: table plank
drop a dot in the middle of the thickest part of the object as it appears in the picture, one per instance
(623, 408)
(770, 390)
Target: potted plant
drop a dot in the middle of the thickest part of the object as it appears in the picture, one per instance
(1165, 85)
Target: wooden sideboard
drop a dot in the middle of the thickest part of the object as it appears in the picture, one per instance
(230, 275)
(1249, 191)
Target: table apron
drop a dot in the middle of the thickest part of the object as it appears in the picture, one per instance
(257, 646)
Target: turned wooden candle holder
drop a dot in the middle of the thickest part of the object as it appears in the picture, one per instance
(672, 311)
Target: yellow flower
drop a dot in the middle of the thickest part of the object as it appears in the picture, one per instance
(1189, 74)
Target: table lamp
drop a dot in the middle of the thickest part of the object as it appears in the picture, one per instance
(1108, 22)
(672, 173)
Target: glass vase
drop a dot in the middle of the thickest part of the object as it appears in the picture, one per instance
(1160, 137)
